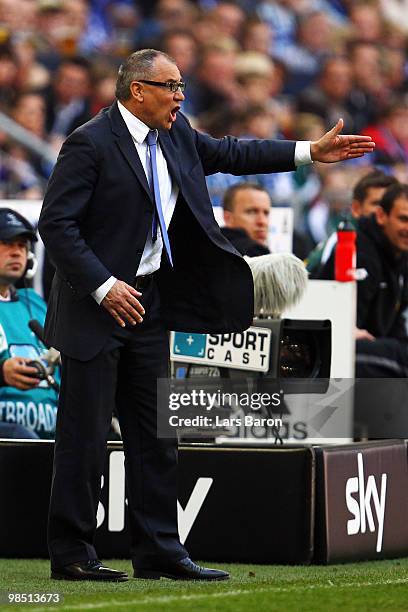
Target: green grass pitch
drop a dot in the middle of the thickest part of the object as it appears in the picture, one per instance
(378, 585)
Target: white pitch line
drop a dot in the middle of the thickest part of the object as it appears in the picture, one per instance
(173, 598)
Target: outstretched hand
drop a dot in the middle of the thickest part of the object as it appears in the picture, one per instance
(334, 147)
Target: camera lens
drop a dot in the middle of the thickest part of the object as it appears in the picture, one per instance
(297, 355)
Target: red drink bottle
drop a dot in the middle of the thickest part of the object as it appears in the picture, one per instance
(345, 256)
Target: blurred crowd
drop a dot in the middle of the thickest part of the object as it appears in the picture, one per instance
(254, 69)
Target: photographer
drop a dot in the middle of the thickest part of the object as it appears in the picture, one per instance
(28, 405)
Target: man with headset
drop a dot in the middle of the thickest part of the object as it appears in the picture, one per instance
(28, 405)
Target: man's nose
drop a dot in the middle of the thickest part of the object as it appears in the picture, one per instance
(179, 95)
(16, 249)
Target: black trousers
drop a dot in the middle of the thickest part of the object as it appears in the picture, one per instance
(124, 375)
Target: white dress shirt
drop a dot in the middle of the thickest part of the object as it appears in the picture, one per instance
(150, 261)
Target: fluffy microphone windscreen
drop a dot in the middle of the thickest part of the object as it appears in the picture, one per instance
(280, 280)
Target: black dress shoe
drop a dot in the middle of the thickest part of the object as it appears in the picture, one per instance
(185, 569)
(88, 570)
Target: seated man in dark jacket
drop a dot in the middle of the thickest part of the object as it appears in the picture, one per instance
(382, 250)
(247, 207)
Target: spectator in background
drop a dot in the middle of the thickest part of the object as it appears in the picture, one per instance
(50, 33)
(247, 207)
(103, 91)
(255, 73)
(121, 19)
(259, 121)
(215, 85)
(330, 96)
(168, 15)
(391, 133)
(229, 19)
(67, 99)
(205, 29)
(304, 58)
(307, 182)
(382, 297)
(18, 15)
(78, 37)
(28, 405)
(23, 172)
(367, 194)
(87, 29)
(18, 177)
(370, 90)
(395, 72)
(366, 21)
(182, 47)
(324, 215)
(8, 76)
(29, 112)
(31, 74)
(261, 81)
(281, 20)
(257, 36)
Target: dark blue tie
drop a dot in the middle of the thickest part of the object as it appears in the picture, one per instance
(158, 216)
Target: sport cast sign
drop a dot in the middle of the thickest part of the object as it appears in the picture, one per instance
(248, 350)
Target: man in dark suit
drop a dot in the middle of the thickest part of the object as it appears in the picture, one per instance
(122, 281)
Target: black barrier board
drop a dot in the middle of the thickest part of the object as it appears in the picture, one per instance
(238, 505)
(25, 484)
(362, 502)
(259, 509)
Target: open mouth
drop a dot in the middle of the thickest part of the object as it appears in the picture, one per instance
(173, 113)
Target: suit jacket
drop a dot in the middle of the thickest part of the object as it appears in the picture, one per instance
(96, 215)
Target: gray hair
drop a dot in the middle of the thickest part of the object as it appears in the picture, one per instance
(139, 65)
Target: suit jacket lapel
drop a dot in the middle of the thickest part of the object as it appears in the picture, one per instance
(170, 155)
(128, 148)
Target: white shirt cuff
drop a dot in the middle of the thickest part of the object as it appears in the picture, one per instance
(302, 153)
(101, 291)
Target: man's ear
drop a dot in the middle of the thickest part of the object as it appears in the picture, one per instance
(381, 216)
(136, 89)
(228, 216)
(355, 209)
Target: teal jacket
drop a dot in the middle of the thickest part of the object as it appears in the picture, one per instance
(36, 408)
